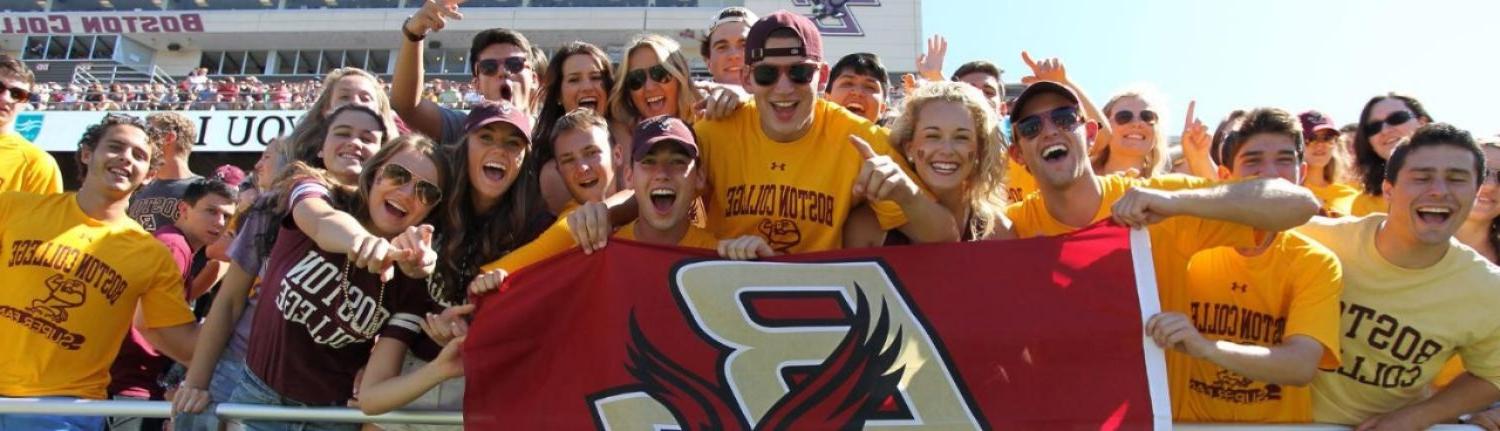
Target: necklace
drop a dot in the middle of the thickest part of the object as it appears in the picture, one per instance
(368, 329)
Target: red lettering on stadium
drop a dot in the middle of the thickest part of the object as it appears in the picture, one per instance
(65, 24)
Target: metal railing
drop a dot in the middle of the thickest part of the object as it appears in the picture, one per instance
(241, 412)
(160, 76)
(87, 74)
(83, 74)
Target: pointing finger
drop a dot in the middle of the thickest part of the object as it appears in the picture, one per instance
(1188, 123)
(865, 151)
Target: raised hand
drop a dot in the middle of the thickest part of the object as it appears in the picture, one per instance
(930, 62)
(880, 178)
(718, 100)
(414, 253)
(1197, 144)
(1194, 134)
(373, 253)
(433, 16)
(1049, 69)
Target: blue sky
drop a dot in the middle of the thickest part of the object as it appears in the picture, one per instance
(1292, 54)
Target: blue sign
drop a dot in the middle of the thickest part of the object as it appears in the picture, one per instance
(29, 125)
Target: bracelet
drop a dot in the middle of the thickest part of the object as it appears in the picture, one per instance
(409, 35)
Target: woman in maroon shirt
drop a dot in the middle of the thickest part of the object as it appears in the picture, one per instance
(331, 283)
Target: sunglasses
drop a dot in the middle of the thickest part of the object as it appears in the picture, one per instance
(636, 79)
(1493, 177)
(427, 193)
(1125, 117)
(512, 65)
(16, 93)
(1065, 118)
(1395, 119)
(766, 75)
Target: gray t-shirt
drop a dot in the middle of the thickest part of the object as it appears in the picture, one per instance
(453, 127)
(155, 204)
(242, 251)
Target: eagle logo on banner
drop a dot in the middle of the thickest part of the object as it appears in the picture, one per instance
(641, 337)
(773, 381)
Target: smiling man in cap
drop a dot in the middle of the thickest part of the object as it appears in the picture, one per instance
(792, 142)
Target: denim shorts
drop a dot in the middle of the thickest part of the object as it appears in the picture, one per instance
(51, 422)
(228, 375)
(254, 391)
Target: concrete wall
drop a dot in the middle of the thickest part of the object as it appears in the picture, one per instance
(178, 63)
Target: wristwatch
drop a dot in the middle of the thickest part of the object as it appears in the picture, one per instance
(409, 35)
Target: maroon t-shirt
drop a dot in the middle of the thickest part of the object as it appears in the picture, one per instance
(309, 337)
(138, 366)
(182, 253)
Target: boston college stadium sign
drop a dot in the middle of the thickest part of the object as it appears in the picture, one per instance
(74, 23)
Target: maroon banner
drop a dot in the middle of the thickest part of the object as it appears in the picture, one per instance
(1030, 334)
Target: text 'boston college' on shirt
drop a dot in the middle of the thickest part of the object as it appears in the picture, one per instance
(317, 315)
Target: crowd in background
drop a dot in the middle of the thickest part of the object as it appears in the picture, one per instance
(199, 92)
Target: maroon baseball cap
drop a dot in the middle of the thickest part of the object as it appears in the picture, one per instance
(658, 129)
(230, 174)
(1314, 122)
(490, 112)
(755, 42)
(1032, 91)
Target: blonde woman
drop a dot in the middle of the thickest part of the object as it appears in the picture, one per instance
(1138, 142)
(342, 86)
(653, 80)
(946, 132)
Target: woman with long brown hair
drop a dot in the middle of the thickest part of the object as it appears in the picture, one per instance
(1385, 122)
(349, 265)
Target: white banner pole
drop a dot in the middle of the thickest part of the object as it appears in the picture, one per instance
(1156, 359)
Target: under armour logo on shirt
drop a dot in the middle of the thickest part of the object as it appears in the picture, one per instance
(1242, 288)
(778, 166)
